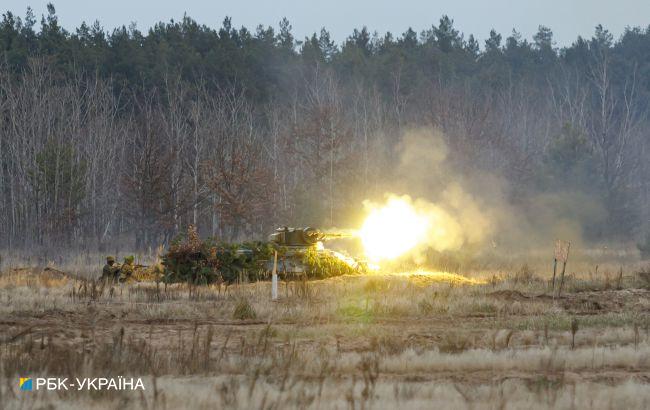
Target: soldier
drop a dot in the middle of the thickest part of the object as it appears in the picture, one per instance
(111, 269)
(126, 271)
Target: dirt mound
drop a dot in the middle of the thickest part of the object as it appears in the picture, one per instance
(52, 273)
(32, 276)
(508, 295)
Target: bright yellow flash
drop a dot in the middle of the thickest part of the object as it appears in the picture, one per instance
(393, 229)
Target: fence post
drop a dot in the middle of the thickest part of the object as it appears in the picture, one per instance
(274, 279)
(553, 281)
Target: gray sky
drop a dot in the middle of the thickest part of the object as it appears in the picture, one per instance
(567, 18)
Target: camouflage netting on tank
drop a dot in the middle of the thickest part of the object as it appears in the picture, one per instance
(193, 260)
(322, 265)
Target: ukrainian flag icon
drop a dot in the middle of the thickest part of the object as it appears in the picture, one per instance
(26, 383)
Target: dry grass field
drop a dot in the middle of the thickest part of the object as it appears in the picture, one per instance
(493, 338)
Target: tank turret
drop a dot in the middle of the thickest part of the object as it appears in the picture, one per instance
(301, 237)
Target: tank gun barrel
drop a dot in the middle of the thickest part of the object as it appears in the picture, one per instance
(303, 236)
(324, 236)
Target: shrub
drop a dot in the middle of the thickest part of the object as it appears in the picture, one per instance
(644, 247)
(375, 285)
(524, 275)
(644, 276)
(425, 307)
(244, 310)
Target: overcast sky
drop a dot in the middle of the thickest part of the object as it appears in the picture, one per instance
(567, 18)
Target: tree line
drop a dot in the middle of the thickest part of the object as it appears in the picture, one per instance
(130, 136)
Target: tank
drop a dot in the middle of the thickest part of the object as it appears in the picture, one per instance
(296, 242)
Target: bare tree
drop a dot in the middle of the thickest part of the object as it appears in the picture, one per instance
(614, 127)
(237, 173)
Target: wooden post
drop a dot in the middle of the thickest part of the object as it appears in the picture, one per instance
(554, 270)
(564, 261)
(559, 293)
(286, 277)
(274, 278)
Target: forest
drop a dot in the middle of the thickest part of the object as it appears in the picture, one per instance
(129, 136)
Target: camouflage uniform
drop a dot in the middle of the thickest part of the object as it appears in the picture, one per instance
(126, 271)
(111, 269)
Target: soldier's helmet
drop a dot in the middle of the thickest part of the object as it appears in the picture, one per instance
(129, 259)
(110, 259)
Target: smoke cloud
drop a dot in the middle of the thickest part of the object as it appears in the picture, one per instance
(479, 210)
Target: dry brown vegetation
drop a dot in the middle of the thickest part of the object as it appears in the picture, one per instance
(378, 341)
